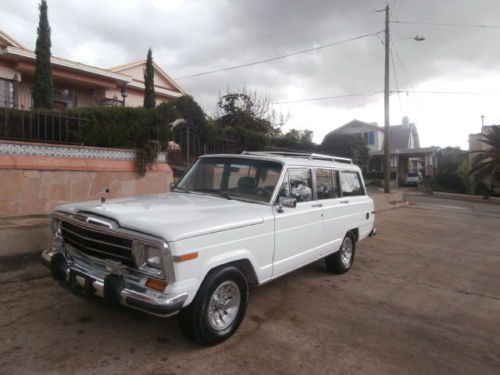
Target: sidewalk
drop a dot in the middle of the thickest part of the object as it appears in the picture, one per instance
(22, 239)
(383, 201)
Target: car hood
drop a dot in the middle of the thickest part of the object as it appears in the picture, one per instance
(174, 216)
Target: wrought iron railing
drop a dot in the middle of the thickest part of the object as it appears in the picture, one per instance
(189, 143)
(41, 126)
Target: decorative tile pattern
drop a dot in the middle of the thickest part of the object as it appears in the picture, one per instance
(55, 151)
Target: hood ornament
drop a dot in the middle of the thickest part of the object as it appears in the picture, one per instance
(103, 198)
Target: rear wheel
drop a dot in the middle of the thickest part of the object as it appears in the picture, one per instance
(341, 261)
(218, 308)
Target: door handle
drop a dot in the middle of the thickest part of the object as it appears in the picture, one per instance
(344, 202)
(317, 205)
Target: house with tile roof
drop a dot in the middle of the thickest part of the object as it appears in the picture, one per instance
(404, 143)
(77, 84)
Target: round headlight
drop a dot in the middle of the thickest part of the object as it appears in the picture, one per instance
(153, 257)
(56, 226)
(139, 253)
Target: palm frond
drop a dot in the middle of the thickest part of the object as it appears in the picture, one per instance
(487, 162)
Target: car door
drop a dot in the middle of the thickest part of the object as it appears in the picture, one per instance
(357, 206)
(298, 230)
(328, 195)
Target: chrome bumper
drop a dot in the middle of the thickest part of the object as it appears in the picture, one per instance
(112, 288)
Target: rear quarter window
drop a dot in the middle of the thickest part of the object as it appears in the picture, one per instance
(350, 183)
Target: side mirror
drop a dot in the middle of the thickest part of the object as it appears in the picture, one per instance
(287, 202)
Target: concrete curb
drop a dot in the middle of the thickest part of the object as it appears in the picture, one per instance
(389, 201)
(466, 197)
(393, 206)
(25, 266)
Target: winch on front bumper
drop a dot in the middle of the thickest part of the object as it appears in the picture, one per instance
(114, 288)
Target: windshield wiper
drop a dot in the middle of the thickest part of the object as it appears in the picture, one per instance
(182, 189)
(214, 192)
(224, 195)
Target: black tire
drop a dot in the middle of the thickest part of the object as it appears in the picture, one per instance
(335, 262)
(195, 319)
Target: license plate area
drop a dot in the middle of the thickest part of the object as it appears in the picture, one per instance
(81, 282)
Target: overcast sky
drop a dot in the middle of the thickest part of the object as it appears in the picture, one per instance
(189, 37)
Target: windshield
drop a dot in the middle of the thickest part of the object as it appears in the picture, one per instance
(232, 178)
(412, 174)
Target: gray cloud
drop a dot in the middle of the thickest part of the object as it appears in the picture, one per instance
(190, 37)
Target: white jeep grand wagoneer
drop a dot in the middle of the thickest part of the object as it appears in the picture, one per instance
(231, 222)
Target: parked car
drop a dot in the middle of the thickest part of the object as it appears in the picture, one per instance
(232, 221)
(413, 178)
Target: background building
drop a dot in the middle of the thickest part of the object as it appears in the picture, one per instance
(406, 153)
(76, 84)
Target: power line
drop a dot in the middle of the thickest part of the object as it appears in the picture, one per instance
(286, 31)
(396, 78)
(470, 25)
(278, 57)
(393, 6)
(362, 94)
(328, 98)
(402, 65)
(449, 92)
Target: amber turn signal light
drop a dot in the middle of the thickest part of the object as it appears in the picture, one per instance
(156, 284)
(188, 256)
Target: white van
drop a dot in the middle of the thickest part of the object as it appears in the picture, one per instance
(231, 222)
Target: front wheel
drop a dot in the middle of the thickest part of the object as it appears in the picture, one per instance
(218, 308)
(341, 261)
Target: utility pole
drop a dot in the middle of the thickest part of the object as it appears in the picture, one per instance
(387, 150)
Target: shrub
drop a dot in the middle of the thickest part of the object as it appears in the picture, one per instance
(123, 127)
(482, 189)
(449, 182)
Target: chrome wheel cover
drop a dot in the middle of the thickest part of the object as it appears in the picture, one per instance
(224, 305)
(346, 252)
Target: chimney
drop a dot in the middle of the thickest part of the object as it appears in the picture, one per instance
(406, 122)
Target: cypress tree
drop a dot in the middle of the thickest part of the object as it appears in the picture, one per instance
(43, 88)
(149, 85)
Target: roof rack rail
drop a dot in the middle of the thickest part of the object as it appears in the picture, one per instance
(308, 155)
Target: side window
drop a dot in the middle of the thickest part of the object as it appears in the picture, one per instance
(301, 184)
(297, 184)
(326, 183)
(351, 184)
(284, 190)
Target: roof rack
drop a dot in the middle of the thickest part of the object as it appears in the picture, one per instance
(307, 155)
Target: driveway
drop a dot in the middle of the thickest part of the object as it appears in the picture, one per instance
(422, 298)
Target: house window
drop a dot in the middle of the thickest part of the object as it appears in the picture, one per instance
(6, 93)
(371, 138)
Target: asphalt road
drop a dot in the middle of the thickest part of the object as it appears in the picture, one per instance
(422, 298)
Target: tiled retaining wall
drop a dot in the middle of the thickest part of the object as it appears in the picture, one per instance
(35, 178)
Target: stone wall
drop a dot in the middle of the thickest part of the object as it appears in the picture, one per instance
(35, 178)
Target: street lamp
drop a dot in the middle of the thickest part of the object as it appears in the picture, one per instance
(387, 149)
(124, 93)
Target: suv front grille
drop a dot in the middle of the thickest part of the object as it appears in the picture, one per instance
(98, 244)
